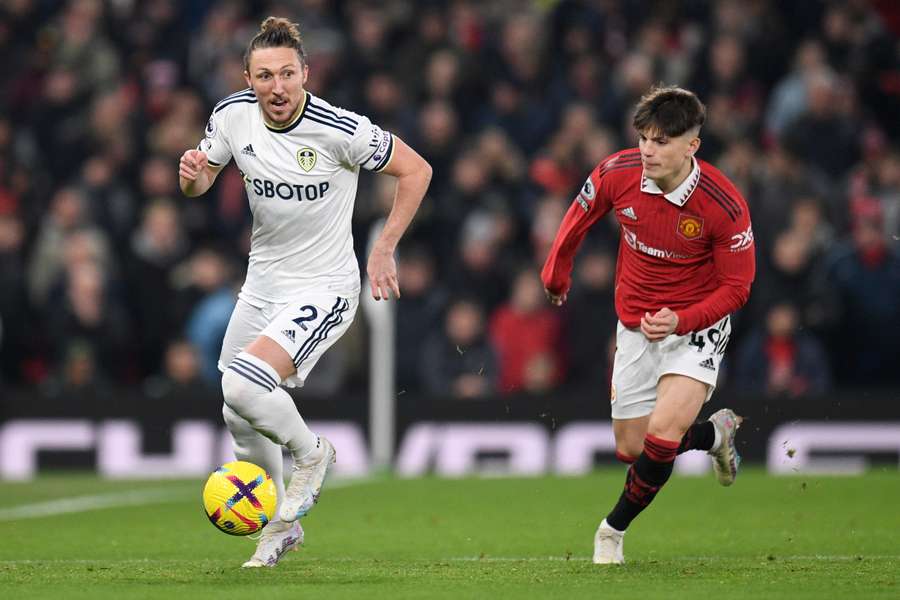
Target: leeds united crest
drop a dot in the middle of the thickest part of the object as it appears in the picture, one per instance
(306, 158)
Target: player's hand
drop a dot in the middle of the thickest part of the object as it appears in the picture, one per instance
(191, 164)
(658, 326)
(556, 299)
(382, 270)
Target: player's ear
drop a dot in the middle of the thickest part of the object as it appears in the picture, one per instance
(247, 78)
(305, 73)
(694, 146)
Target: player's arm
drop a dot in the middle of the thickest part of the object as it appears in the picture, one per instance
(593, 201)
(734, 257)
(195, 174)
(413, 175)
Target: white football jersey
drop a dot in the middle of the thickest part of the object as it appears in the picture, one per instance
(301, 181)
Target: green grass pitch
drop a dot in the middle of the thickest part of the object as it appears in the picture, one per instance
(765, 537)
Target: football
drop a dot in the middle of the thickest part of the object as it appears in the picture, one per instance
(239, 498)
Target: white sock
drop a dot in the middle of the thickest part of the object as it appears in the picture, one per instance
(718, 441)
(251, 390)
(254, 447)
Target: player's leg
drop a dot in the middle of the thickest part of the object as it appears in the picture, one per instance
(632, 398)
(630, 434)
(706, 435)
(679, 399)
(292, 343)
(277, 537)
(245, 325)
(275, 415)
(251, 385)
(699, 356)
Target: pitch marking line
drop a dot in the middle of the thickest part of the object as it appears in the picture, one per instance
(76, 504)
(146, 497)
(487, 559)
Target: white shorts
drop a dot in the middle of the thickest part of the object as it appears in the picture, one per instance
(640, 363)
(305, 328)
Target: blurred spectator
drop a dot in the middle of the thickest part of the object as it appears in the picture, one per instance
(89, 315)
(863, 276)
(180, 375)
(526, 334)
(157, 246)
(780, 359)
(67, 213)
(479, 269)
(825, 134)
(589, 320)
(458, 362)
(789, 98)
(438, 131)
(205, 288)
(14, 307)
(419, 310)
(111, 199)
(786, 272)
(780, 178)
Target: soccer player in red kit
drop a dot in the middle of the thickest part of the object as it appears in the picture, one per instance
(686, 262)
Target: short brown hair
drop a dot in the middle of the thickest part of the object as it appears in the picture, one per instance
(276, 32)
(669, 109)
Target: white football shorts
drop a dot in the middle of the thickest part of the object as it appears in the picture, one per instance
(640, 363)
(305, 328)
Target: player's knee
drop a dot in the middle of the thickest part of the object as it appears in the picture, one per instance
(626, 456)
(667, 431)
(241, 388)
(233, 421)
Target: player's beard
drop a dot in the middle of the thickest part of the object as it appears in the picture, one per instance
(283, 113)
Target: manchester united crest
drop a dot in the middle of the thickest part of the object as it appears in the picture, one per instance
(306, 158)
(690, 227)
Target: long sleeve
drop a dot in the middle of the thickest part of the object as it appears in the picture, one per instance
(734, 257)
(592, 202)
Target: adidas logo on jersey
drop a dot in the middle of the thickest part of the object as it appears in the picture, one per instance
(628, 212)
(248, 150)
(289, 334)
(708, 364)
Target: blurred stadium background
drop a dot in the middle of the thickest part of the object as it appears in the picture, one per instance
(115, 290)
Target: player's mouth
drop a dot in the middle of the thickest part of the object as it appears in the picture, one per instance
(279, 103)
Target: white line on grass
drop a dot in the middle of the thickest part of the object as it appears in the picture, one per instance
(145, 497)
(811, 557)
(487, 559)
(76, 504)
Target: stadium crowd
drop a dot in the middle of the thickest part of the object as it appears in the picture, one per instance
(109, 276)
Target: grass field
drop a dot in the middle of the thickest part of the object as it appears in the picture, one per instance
(809, 537)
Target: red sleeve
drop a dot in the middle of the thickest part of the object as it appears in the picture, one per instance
(591, 203)
(734, 256)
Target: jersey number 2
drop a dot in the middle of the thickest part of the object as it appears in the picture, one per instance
(311, 316)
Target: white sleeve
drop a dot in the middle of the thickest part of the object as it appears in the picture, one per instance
(215, 144)
(371, 146)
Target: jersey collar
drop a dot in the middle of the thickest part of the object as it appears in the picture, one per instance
(294, 122)
(680, 195)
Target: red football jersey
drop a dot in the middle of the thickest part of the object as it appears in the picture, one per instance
(690, 250)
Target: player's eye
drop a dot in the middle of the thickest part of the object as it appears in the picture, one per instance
(288, 74)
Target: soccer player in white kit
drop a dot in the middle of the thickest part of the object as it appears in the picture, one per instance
(300, 158)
